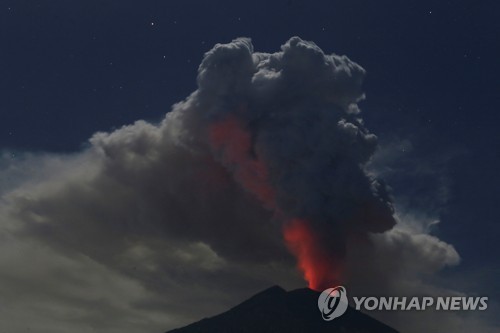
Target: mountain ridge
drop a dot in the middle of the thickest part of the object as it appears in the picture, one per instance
(275, 310)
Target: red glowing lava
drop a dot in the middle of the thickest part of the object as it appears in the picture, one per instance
(233, 142)
(319, 266)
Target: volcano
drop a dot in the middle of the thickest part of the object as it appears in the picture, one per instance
(275, 310)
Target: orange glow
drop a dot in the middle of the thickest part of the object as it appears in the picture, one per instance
(319, 266)
(233, 142)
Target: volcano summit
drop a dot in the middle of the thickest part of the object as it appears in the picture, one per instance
(275, 310)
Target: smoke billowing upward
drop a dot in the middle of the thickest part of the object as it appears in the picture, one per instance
(261, 170)
(287, 126)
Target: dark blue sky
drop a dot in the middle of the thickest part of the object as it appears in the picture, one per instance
(71, 68)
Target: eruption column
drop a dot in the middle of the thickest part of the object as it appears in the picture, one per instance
(230, 139)
(320, 267)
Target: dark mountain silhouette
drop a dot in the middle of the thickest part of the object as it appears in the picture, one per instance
(275, 310)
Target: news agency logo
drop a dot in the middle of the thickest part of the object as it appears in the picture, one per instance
(333, 303)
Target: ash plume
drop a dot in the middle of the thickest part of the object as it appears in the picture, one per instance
(288, 124)
(264, 164)
(287, 127)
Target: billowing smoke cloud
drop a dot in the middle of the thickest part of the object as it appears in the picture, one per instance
(287, 127)
(167, 223)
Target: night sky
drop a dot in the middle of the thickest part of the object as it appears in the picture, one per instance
(72, 68)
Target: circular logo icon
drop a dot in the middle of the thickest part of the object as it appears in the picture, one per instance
(332, 303)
